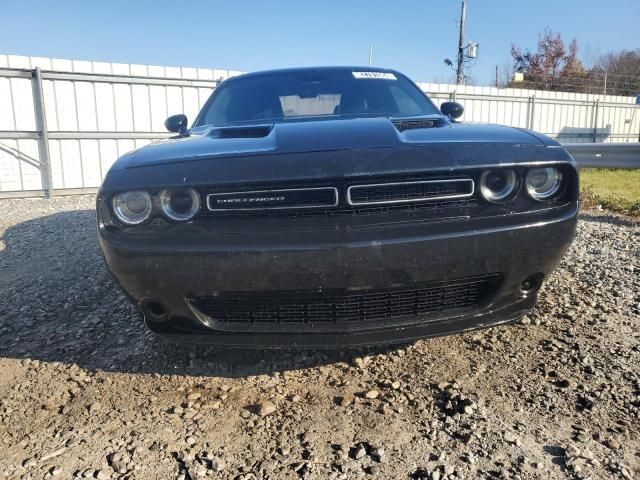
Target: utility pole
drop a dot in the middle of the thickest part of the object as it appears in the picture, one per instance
(370, 54)
(497, 81)
(459, 72)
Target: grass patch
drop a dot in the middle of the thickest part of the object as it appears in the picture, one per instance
(614, 189)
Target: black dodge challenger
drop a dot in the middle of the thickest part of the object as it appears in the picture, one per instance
(334, 206)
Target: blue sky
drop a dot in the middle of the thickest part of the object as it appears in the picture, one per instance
(412, 36)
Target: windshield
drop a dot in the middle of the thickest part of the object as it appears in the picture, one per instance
(320, 93)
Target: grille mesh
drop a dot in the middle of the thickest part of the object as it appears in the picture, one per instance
(338, 307)
(409, 191)
(273, 199)
(312, 203)
(433, 209)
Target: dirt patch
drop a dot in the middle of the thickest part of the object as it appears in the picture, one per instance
(87, 392)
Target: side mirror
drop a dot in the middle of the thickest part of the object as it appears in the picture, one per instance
(452, 110)
(177, 123)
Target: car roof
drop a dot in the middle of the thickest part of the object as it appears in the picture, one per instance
(315, 69)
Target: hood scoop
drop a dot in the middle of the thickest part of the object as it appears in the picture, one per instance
(413, 124)
(249, 131)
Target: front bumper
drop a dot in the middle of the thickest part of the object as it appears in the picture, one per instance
(192, 263)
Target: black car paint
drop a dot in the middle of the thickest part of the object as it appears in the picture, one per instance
(452, 110)
(170, 262)
(324, 135)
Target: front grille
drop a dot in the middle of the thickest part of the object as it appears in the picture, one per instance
(292, 198)
(432, 196)
(347, 306)
(399, 192)
(436, 209)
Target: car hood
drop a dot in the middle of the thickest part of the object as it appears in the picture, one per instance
(319, 136)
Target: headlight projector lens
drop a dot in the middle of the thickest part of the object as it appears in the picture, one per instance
(543, 183)
(499, 184)
(180, 204)
(132, 208)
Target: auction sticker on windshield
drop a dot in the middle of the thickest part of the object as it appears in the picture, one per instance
(375, 75)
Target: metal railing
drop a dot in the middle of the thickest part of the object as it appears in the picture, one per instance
(588, 155)
(605, 155)
(43, 135)
(590, 120)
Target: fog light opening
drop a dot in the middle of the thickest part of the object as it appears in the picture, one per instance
(531, 284)
(154, 310)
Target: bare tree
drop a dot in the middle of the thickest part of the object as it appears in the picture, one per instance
(504, 75)
(622, 70)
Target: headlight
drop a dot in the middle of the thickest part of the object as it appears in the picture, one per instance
(498, 184)
(180, 204)
(132, 208)
(543, 183)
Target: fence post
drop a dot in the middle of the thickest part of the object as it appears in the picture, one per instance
(43, 134)
(532, 104)
(596, 107)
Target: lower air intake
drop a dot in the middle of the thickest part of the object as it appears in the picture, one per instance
(346, 306)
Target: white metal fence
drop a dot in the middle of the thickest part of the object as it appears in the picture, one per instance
(63, 123)
(567, 117)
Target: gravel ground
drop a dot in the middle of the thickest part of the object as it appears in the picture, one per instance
(86, 392)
